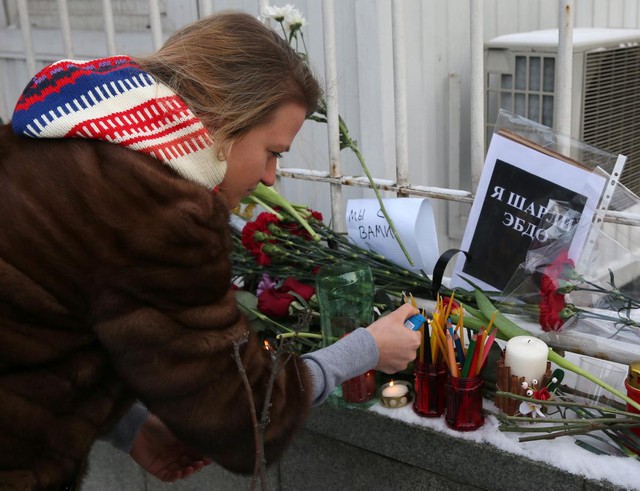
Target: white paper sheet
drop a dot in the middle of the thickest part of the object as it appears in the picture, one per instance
(414, 221)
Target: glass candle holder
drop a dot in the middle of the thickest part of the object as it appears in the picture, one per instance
(361, 388)
(395, 394)
(632, 384)
(464, 403)
(609, 373)
(429, 384)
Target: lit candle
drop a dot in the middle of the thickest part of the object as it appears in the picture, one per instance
(526, 356)
(395, 390)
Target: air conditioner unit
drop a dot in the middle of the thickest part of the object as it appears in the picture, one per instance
(605, 104)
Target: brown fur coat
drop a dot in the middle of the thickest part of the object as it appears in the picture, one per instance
(115, 285)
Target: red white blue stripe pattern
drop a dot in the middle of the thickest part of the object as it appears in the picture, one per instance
(113, 99)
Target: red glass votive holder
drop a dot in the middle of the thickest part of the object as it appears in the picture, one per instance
(361, 388)
(464, 403)
(429, 383)
(634, 394)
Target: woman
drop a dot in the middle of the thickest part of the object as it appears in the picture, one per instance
(117, 175)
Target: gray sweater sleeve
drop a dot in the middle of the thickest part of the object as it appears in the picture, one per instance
(350, 356)
(124, 432)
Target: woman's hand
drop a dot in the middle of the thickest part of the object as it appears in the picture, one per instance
(397, 344)
(161, 454)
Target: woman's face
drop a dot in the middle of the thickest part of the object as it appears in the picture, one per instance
(252, 158)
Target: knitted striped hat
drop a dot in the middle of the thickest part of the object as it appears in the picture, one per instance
(113, 99)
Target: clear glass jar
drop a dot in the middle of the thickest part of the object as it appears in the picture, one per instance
(345, 295)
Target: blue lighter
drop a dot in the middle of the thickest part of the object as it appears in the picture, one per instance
(414, 322)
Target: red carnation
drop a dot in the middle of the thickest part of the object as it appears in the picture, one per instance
(263, 259)
(454, 305)
(293, 285)
(552, 302)
(274, 304)
(260, 224)
(316, 214)
(296, 229)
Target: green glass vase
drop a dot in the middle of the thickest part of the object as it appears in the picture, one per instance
(345, 295)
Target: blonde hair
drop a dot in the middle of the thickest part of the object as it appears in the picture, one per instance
(233, 72)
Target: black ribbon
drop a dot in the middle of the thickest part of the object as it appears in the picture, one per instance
(441, 265)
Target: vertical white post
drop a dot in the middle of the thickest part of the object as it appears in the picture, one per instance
(262, 4)
(4, 110)
(25, 27)
(400, 93)
(455, 217)
(564, 67)
(109, 27)
(333, 125)
(65, 28)
(156, 24)
(477, 90)
(205, 8)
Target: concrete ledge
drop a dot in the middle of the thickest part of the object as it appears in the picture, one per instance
(343, 448)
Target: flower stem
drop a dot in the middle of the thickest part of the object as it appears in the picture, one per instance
(299, 335)
(258, 201)
(354, 148)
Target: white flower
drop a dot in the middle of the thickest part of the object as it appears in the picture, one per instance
(294, 20)
(529, 407)
(279, 14)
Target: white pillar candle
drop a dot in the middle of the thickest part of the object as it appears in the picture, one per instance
(526, 356)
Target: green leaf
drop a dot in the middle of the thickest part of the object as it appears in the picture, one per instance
(248, 303)
(558, 374)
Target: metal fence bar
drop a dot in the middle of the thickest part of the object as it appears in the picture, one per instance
(156, 24)
(109, 27)
(65, 28)
(25, 27)
(382, 184)
(4, 110)
(456, 195)
(206, 8)
(262, 4)
(564, 67)
(400, 93)
(331, 91)
(477, 90)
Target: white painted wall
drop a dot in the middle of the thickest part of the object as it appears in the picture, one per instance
(437, 37)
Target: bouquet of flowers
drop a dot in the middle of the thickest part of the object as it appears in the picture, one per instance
(277, 255)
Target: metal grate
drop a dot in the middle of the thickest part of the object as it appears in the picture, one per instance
(527, 92)
(611, 114)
